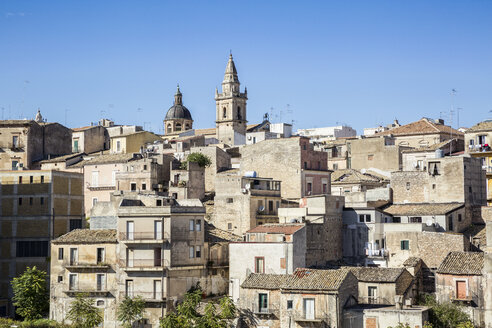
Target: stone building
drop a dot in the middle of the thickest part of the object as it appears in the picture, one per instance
(308, 297)
(478, 142)
(351, 180)
(24, 142)
(384, 286)
(36, 206)
(132, 142)
(459, 280)
(379, 153)
(220, 161)
(422, 133)
(90, 139)
(178, 117)
(445, 180)
(268, 248)
(337, 154)
(328, 133)
(62, 163)
(85, 261)
(243, 202)
(367, 316)
(231, 108)
(302, 170)
(487, 268)
(413, 159)
(186, 182)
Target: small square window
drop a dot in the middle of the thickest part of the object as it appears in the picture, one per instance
(230, 200)
(405, 244)
(144, 186)
(229, 226)
(158, 202)
(60, 278)
(289, 304)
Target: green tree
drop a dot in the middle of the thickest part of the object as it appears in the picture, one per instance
(446, 314)
(83, 313)
(130, 310)
(199, 158)
(31, 296)
(186, 314)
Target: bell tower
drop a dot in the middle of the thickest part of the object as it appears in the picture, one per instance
(231, 108)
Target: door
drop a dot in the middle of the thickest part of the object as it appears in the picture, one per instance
(263, 303)
(158, 229)
(130, 229)
(73, 256)
(157, 257)
(129, 288)
(95, 179)
(129, 258)
(461, 290)
(372, 294)
(157, 289)
(309, 308)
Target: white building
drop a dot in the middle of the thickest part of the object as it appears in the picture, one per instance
(331, 132)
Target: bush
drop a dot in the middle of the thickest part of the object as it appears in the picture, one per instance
(40, 323)
(199, 158)
(445, 315)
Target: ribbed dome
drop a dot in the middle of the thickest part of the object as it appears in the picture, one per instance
(178, 110)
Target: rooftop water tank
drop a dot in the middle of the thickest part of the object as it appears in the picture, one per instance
(250, 174)
(439, 153)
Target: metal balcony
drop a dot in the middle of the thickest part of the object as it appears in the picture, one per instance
(150, 237)
(136, 265)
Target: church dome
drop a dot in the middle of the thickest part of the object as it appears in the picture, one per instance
(178, 111)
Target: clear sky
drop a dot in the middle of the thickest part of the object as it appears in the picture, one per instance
(319, 63)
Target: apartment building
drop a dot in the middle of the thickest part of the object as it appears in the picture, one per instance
(131, 142)
(187, 180)
(90, 139)
(36, 207)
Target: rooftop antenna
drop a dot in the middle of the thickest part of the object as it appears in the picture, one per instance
(458, 115)
(66, 110)
(140, 110)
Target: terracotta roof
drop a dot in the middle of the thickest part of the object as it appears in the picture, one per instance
(482, 126)
(301, 279)
(423, 126)
(216, 235)
(353, 176)
(87, 236)
(85, 128)
(61, 158)
(265, 281)
(373, 274)
(205, 131)
(467, 263)
(107, 159)
(412, 261)
(430, 148)
(287, 229)
(16, 122)
(422, 208)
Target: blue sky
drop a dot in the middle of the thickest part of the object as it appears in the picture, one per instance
(321, 63)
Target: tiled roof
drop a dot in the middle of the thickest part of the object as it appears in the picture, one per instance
(265, 281)
(107, 159)
(430, 148)
(61, 158)
(216, 235)
(423, 126)
(467, 263)
(412, 262)
(373, 274)
(205, 131)
(482, 126)
(16, 122)
(301, 279)
(84, 128)
(477, 232)
(287, 229)
(422, 208)
(353, 176)
(87, 236)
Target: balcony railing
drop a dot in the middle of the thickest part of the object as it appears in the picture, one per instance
(86, 264)
(383, 253)
(302, 316)
(149, 236)
(269, 310)
(178, 183)
(19, 146)
(374, 300)
(479, 148)
(101, 187)
(146, 264)
(157, 296)
(91, 289)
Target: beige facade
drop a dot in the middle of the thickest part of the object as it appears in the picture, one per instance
(241, 203)
(337, 154)
(24, 142)
(302, 170)
(36, 206)
(220, 159)
(90, 139)
(487, 268)
(132, 142)
(188, 182)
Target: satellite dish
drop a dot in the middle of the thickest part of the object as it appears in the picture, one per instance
(429, 223)
(363, 171)
(244, 190)
(261, 208)
(247, 186)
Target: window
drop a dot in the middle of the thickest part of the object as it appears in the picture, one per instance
(20, 180)
(94, 201)
(101, 281)
(364, 218)
(20, 200)
(60, 253)
(471, 142)
(192, 225)
(229, 200)
(416, 219)
(309, 188)
(370, 157)
(450, 223)
(76, 146)
(72, 281)
(433, 186)
(133, 186)
(259, 265)
(308, 307)
(224, 112)
(325, 188)
(335, 167)
(15, 165)
(31, 179)
(481, 140)
(372, 292)
(408, 185)
(305, 165)
(95, 178)
(73, 256)
(198, 225)
(118, 146)
(129, 288)
(100, 255)
(41, 200)
(60, 278)
(30, 201)
(397, 219)
(262, 303)
(158, 202)
(405, 244)
(459, 218)
(100, 303)
(290, 304)
(75, 224)
(192, 252)
(158, 229)
(144, 186)
(434, 168)
(32, 248)
(198, 251)
(15, 142)
(229, 226)
(145, 168)
(270, 206)
(157, 290)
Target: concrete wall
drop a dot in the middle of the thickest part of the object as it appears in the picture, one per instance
(487, 269)
(380, 153)
(89, 140)
(220, 160)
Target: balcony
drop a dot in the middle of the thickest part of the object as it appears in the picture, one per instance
(180, 184)
(16, 147)
(148, 297)
(86, 265)
(89, 289)
(101, 187)
(150, 237)
(137, 265)
(271, 310)
(374, 300)
(480, 148)
(317, 317)
(376, 253)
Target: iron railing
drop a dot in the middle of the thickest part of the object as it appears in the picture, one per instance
(143, 236)
(142, 264)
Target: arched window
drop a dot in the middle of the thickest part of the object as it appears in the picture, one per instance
(187, 126)
(178, 126)
(224, 112)
(239, 117)
(169, 128)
